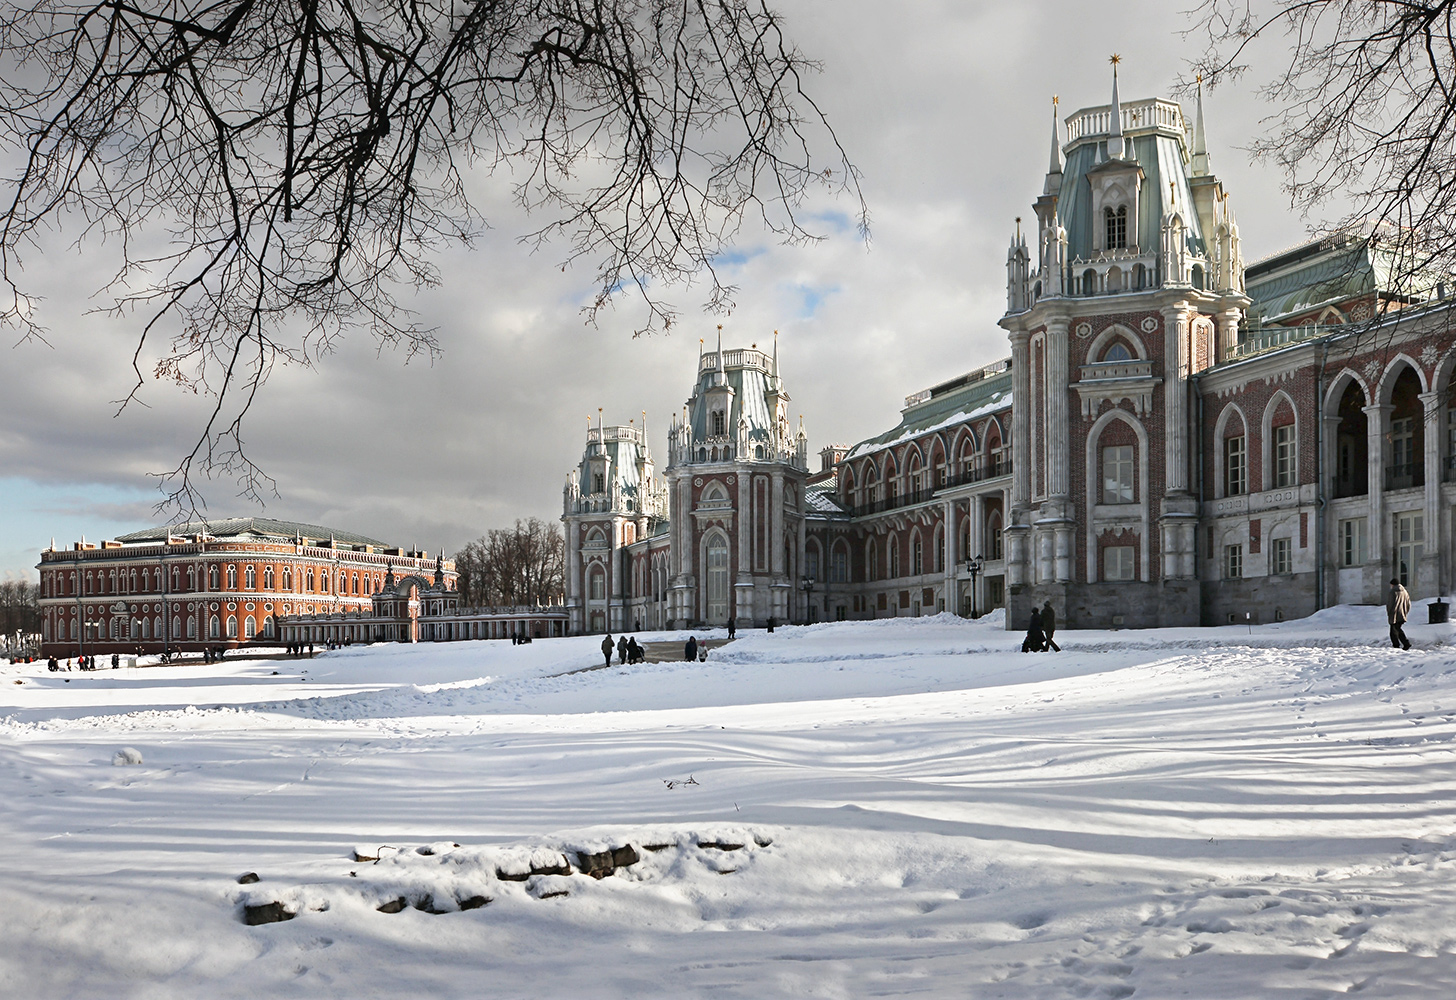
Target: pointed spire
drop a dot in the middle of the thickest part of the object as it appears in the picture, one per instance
(1114, 125)
(1054, 168)
(1200, 145)
(776, 355)
(720, 350)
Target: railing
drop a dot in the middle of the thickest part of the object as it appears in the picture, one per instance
(1405, 476)
(1269, 338)
(1348, 486)
(1106, 370)
(740, 358)
(926, 494)
(1155, 113)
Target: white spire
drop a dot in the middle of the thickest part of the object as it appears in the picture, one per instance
(1200, 146)
(1114, 126)
(1054, 168)
(776, 355)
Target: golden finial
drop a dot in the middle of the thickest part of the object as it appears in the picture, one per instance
(1055, 99)
(1200, 77)
(1115, 59)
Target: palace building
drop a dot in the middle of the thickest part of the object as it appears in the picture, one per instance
(1175, 439)
(212, 584)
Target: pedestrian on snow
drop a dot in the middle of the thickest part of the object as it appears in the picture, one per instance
(1035, 641)
(703, 653)
(637, 625)
(634, 651)
(690, 651)
(1049, 625)
(1397, 610)
(770, 624)
(607, 648)
(732, 626)
(115, 661)
(621, 650)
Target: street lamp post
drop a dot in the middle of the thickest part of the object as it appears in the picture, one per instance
(974, 565)
(807, 586)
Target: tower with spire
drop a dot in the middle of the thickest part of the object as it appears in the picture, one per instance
(1138, 287)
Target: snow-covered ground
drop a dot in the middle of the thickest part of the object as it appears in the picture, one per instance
(913, 808)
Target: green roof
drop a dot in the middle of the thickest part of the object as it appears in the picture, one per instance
(975, 394)
(251, 527)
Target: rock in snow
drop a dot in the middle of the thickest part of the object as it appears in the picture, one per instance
(125, 756)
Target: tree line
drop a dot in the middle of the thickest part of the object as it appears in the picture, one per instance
(523, 565)
(19, 608)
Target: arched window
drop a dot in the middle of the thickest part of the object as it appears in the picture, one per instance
(146, 629)
(1114, 226)
(157, 628)
(993, 536)
(116, 628)
(917, 557)
(232, 577)
(267, 577)
(1089, 282)
(177, 627)
(268, 627)
(310, 580)
(1117, 352)
(212, 578)
(250, 577)
(232, 626)
(287, 578)
(191, 577)
(717, 567)
(894, 545)
(192, 628)
(719, 421)
(250, 629)
(872, 560)
(598, 584)
(212, 628)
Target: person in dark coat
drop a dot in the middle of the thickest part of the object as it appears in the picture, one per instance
(1035, 641)
(621, 650)
(607, 648)
(690, 651)
(770, 624)
(1397, 610)
(634, 651)
(1049, 626)
(732, 626)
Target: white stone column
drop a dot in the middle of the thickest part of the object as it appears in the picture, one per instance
(1057, 386)
(776, 523)
(948, 556)
(1376, 417)
(1435, 406)
(1228, 334)
(1021, 403)
(1176, 321)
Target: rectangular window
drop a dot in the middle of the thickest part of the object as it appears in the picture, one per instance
(1402, 444)
(1284, 465)
(1117, 474)
(1117, 563)
(1233, 561)
(839, 566)
(1353, 551)
(1282, 558)
(1410, 546)
(1235, 466)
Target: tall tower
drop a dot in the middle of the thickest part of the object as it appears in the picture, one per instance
(1139, 286)
(611, 499)
(735, 477)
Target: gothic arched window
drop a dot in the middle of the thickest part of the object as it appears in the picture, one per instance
(1114, 228)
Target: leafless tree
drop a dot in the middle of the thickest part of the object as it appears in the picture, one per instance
(19, 609)
(1364, 126)
(513, 566)
(275, 172)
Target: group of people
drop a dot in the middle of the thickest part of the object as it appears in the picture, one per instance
(297, 649)
(628, 650)
(1040, 629)
(519, 638)
(82, 663)
(694, 650)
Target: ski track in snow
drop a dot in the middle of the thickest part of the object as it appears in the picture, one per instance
(923, 811)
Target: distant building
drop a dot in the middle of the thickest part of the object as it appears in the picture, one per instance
(209, 584)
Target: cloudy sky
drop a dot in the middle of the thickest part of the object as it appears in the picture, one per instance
(943, 105)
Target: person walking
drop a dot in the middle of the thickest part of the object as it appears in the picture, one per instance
(1397, 610)
(732, 626)
(1035, 641)
(1049, 626)
(622, 650)
(607, 648)
(690, 651)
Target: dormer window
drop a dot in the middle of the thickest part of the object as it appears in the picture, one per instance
(598, 483)
(719, 423)
(1114, 228)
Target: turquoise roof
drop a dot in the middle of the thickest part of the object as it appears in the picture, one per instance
(964, 398)
(1161, 158)
(251, 527)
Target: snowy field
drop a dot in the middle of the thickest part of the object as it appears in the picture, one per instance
(893, 808)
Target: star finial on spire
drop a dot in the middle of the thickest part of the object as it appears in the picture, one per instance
(1115, 59)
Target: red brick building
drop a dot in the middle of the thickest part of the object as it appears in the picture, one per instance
(205, 585)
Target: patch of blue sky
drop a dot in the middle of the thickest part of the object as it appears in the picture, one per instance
(737, 257)
(811, 298)
(31, 513)
(835, 220)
